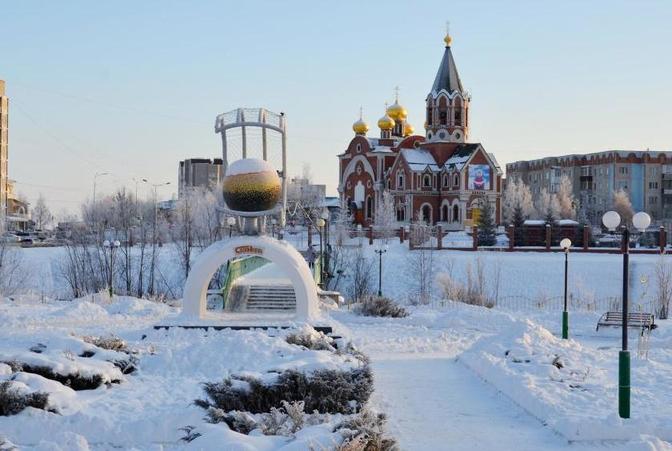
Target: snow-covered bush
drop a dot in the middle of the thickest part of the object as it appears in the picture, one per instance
(311, 339)
(6, 445)
(664, 283)
(476, 290)
(325, 391)
(13, 401)
(380, 306)
(365, 432)
(111, 343)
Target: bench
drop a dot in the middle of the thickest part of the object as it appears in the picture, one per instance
(636, 320)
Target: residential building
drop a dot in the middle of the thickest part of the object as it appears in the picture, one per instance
(4, 149)
(437, 178)
(645, 175)
(18, 211)
(199, 172)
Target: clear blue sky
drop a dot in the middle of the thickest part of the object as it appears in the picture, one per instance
(133, 87)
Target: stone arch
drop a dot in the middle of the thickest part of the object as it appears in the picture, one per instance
(284, 255)
(350, 168)
(426, 213)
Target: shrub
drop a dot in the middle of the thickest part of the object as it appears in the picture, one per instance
(110, 343)
(75, 381)
(311, 339)
(12, 401)
(324, 391)
(365, 432)
(380, 306)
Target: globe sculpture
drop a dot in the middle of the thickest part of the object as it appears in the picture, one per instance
(251, 185)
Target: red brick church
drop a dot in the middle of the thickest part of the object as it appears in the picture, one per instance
(438, 178)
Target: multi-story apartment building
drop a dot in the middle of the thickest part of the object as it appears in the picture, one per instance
(199, 172)
(4, 136)
(645, 175)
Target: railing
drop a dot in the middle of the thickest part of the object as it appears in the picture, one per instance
(238, 268)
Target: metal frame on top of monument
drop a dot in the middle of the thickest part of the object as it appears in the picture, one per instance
(259, 118)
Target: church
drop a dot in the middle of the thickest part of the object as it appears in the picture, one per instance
(439, 178)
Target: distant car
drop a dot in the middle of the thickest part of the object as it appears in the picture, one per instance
(26, 242)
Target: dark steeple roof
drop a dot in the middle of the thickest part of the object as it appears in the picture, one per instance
(447, 77)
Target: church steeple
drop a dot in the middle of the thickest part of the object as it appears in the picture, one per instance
(448, 102)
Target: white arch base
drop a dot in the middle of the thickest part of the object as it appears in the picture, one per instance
(194, 311)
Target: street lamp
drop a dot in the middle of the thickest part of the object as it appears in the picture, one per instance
(380, 251)
(565, 244)
(230, 221)
(641, 221)
(320, 226)
(112, 246)
(325, 216)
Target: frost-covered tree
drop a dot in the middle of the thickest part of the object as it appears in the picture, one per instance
(41, 214)
(565, 197)
(385, 218)
(517, 196)
(547, 206)
(623, 206)
(13, 273)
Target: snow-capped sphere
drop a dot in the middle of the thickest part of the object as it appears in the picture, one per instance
(251, 185)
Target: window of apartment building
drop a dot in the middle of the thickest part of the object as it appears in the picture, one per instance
(653, 199)
(623, 170)
(653, 185)
(557, 172)
(653, 172)
(585, 171)
(623, 185)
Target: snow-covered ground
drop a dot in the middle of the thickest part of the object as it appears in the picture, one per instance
(449, 376)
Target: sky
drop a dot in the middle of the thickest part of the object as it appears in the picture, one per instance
(131, 88)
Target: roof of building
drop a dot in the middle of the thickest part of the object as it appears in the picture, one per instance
(419, 159)
(447, 77)
(604, 153)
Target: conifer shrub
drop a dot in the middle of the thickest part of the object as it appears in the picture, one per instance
(310, 338)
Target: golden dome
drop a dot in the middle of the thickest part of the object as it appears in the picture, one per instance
(397, 112)
(360, 127)
(408, 129)
(386, 122)
(448, 40)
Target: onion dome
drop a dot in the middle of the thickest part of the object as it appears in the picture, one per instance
(386, 122)
(408, 129)
(397, 112)
(360, 127)
(448, 40)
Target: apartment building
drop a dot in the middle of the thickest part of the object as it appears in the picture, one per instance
(199, 172)
(645, 175)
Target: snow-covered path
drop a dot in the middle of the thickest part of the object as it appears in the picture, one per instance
(434, 402)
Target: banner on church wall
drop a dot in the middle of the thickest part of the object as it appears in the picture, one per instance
(479, 177)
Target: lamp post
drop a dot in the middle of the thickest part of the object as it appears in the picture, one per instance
(380, 251)
(325, 216)
(641, 221)
(320, 227)
(112, 246)
(154, 232)
(565, 244)
(230, 221)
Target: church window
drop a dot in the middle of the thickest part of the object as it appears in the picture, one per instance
(456, 180)
(427, 181)
(400, 181)
(401, 213)
(359, 148)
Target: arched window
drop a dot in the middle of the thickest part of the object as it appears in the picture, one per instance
(369, 207)
(400, 180)
(427, 181)
(457, 111)
(456, 213)
(445, 180)
(444, 213)
(430, 107)
(401, 213)
(456, 180)
(426, 214)
(443, 111)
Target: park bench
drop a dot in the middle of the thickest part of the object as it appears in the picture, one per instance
(638, 320)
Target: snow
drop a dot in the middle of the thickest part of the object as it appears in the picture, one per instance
(249, 166)
(419, 159)
(449, 376)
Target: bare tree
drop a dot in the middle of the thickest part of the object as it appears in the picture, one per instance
(663, 274)
(41, 214)
(13, 272)
(421, 262)
(359, 272)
